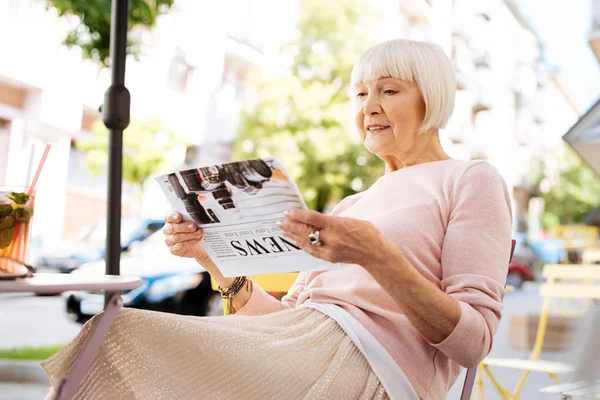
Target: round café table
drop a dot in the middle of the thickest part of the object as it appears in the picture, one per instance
(59, 283)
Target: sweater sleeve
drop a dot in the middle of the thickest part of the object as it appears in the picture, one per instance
(261, 302)
(474, 259)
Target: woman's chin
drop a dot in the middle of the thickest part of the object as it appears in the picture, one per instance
(377, 147)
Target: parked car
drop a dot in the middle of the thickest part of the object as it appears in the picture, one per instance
(522, 267)
(530, 255)
(170, 284)
(89, 244)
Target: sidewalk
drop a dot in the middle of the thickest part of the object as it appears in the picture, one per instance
(22, 380)
(30, 321)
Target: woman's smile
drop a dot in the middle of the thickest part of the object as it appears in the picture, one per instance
(376, 129)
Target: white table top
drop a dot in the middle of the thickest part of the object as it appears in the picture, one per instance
(58, 283)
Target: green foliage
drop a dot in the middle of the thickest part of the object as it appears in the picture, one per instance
(92, 34)
(304, 118)
(30, 353)
(575, 194)
(145, 147)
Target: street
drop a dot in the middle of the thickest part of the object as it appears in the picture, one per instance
(42, 321)
(28, 320)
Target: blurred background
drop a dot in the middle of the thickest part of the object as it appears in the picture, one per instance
(217, 81)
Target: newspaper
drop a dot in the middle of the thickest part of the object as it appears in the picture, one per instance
(238, 205)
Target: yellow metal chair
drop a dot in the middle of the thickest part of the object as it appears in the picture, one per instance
(591, 256)
(563, 282)
(576, 238)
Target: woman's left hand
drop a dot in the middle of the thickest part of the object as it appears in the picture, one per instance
(344, 240)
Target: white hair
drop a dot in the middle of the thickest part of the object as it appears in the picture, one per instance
(424, 64)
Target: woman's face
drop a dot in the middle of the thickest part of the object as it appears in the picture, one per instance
(389, 113)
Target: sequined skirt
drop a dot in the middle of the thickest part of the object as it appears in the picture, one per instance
(291, 354)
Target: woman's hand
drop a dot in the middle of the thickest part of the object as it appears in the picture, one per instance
(183, 238)
(345, 240)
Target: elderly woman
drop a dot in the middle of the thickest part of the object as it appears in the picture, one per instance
(424, 250)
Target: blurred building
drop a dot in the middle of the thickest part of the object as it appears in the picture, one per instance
(193, 74)
(511, 107)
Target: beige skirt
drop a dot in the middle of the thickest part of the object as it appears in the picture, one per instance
(291, 354)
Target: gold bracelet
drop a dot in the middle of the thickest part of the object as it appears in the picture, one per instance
(228, 293)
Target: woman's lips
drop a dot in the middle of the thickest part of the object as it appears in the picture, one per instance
(377, 131)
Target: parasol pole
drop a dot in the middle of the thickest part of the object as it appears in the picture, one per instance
(115, 114)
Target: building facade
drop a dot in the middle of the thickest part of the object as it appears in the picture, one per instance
(192, 74)
(511, 107)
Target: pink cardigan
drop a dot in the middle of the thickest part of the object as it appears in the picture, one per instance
(452, 220)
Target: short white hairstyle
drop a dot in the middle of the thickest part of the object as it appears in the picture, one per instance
(424, 64)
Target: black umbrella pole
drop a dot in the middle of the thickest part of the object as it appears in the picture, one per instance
(115, 114)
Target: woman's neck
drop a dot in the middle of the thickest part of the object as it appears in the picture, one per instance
(429, 150)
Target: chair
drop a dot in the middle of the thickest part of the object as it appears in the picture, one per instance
(591, 256)
(578, 287)
(585, 381)
(575, 238)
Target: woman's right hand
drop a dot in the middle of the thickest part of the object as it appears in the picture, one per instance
(183, 238)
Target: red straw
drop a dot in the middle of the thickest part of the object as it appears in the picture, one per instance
(39, 169)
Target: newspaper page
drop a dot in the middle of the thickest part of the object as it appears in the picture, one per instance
(238, 205)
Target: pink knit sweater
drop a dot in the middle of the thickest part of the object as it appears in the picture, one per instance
(452, 221)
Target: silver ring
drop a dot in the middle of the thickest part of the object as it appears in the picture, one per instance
(313, 238)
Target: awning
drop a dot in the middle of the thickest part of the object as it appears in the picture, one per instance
(584, 137)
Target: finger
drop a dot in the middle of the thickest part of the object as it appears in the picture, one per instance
(183, 227)
(302, 240)
(174, 217)
(309, 217)
(171, 240)
(182, 247)
(295, 227)
(315, 251)
(299, 240)
(178, 249)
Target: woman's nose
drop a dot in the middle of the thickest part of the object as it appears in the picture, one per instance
(372, 106)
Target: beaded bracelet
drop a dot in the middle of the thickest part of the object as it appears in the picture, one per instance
(228, 293)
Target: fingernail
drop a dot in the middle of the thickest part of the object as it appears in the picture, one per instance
(191, 226)
(287, 212)
(279, 223)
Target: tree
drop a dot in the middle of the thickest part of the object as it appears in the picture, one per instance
(146, 146)
(574, 195)
(92, 34)
(304, 118)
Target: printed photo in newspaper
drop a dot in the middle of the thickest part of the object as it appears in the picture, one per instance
(238, 205)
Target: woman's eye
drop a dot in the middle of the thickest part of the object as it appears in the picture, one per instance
(390, 91)
(359, 95)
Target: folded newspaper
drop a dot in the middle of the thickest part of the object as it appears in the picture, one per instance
(238, 205)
